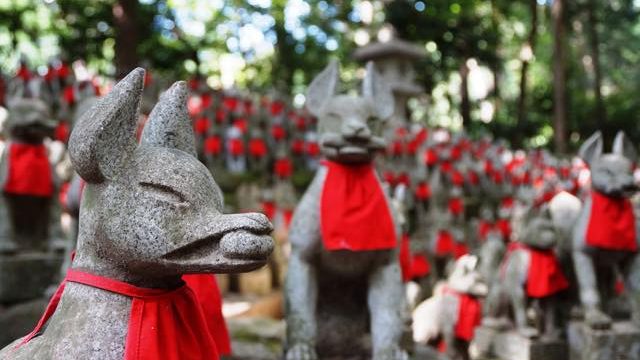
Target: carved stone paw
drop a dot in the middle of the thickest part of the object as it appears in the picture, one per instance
(597, 319)
(301, 352)
(528, 332)
(391, 354)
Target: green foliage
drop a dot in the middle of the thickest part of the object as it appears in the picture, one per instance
(301, 36)
(493, 32)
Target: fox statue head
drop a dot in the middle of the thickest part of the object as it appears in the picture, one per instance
(611, 173)
(29, 119)
(151, 212)
(533, 226)
(349, 125)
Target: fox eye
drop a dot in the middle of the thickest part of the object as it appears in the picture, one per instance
(163, 193)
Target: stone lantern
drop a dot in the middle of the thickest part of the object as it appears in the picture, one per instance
(394, 61)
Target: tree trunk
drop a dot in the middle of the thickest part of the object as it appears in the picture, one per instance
(126, 36)
(526, 55)
(559, 78)
(594, 42)
(284, 62)
(465, 105)
(496, 68)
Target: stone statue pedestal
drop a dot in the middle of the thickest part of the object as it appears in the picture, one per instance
(510, 345)
(26, 276)
(621, 341)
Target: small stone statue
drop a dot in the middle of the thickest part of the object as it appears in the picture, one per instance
(454, 311)
(344, 277)
(530, 272)
(149, 214)
(27, 179)
(29, 255)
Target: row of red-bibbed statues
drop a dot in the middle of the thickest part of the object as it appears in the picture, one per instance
(507, 247)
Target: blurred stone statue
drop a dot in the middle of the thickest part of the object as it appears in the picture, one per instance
(344, 292)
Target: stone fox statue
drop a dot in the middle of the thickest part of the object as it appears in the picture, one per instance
(530, 272)
(605, 234)
(344, 278)
(150, 213)
(453, 312)
(27, 180)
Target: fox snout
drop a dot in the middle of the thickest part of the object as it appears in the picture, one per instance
(630, 188)
(248, 238)
(356, 130)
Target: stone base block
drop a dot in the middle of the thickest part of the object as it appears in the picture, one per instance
(27, 276)
(621, 341)
(510, 345)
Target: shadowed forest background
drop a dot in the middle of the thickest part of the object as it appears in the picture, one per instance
(538, 73)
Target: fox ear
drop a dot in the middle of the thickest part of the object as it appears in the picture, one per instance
(104, 138)
(376, 90)
(591, 149)
(322, 88)
(169, 124)
(623, 146)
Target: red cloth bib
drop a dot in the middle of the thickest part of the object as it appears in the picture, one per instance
(230, 103)
(469, 316)
(276, 108)
(205, 100)
(61, 133)
(444, 243)
(430, 157)
(412, 265)
(312, 148)
(403, 178)
(242, 124)
(257, 147)
(205, 287)
(612, 223)
(283, 168)
(456, 177)
(277, 132)
(354, 214)
(420, 266)
(213, 145)
(201, 125)
(269, 209)
(29, 172)
(505, 228)
(163, 324)
(69, 95)
(544, 277)
(423, 191)
(456, 206)
(287, 214)
(484, 227)
(297, 146)
(236, 147)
